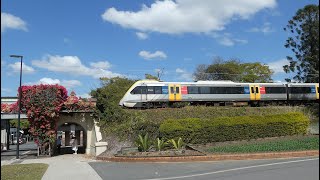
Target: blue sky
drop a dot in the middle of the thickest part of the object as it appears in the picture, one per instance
(73, 43)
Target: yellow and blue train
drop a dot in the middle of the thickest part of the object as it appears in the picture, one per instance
(152, 93)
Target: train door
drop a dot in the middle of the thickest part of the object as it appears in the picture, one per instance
(255, 92)
(174, 92)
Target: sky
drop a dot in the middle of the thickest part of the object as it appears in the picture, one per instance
(73, 43)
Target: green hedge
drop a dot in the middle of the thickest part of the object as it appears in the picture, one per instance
(197, 131)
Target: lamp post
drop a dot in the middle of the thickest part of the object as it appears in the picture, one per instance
(20, 94)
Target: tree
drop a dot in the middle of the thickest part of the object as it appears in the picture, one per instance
(233, 70)
(304, 42)
(24, 124)
(149, 76)
(108, 97)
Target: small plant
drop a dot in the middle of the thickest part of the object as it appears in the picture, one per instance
(143, 143)
(160, 144)
(178, 144)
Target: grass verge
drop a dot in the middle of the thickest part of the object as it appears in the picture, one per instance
(23, 171)
(275, 145)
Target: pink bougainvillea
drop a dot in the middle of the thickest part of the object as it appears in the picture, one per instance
(42, 105)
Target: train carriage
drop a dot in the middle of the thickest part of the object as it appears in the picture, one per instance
(152, 93)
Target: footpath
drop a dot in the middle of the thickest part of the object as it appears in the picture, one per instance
(68, 166)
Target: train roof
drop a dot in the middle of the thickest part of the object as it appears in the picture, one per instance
(155, 82)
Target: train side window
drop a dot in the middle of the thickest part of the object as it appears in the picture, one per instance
(143, 90)
(275, 90)
(136, 90)
(257, 89)
(193, 90)
(204, 90)
(158, 90)
(150, 90)
(177, 90)
(171, 90)
(300, 90)
(252, 90)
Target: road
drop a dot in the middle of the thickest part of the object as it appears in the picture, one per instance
(26, 151)
(293, 169)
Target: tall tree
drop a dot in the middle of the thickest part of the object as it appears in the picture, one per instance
(108, 97)
(304, 42)
(149, 76)
(233, 70)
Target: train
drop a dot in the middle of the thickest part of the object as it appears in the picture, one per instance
(153, 93)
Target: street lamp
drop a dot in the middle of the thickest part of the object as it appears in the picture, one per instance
(20, 94)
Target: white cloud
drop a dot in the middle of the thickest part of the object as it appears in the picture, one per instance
(66, 83)
(227, 39)
(184, 75)
(186, 16)
(66, 40)
(25, 68)
(5, 90)
(148, 55)
(277, 66)
(86, 95)
(70, 83)
(142, 35)
(101, 65)
(9, 21)
(48, 81)
(265, 28)
(72, 65)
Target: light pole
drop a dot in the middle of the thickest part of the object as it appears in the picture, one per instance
(20, 94)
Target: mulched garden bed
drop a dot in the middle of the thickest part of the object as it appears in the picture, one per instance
(167, 153)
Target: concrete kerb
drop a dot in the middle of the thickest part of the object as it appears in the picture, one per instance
(214, 157)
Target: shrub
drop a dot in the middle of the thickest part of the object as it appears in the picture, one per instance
(177, 145)
(234, 128)
(160, 144)
(143, 143)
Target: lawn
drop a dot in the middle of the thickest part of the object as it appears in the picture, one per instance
(23, 171)
(274, 145)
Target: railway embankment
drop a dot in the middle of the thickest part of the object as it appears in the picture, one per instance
(124, 133)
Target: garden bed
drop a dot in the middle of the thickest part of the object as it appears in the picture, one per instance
(167, 153)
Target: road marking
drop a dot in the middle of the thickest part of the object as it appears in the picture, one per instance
(234, 169)
(25, 152)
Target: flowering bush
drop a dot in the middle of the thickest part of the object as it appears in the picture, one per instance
(9, 108)
(73, 103)
(42, 105)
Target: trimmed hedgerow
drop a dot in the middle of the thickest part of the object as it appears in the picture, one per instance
(197, 131)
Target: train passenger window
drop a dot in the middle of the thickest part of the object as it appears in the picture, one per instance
(257, 90)
(177, 90)
(275, 90)
(136, 90)
(300, 90)
(150, 90)
(158, 90)
(143, 89)
(193, 90)
(204, 90)
(252, 90)
(218, 90)
(139, 90)
(171, 90)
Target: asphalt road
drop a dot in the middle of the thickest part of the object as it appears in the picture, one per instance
(26, 151)
(291, 169)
